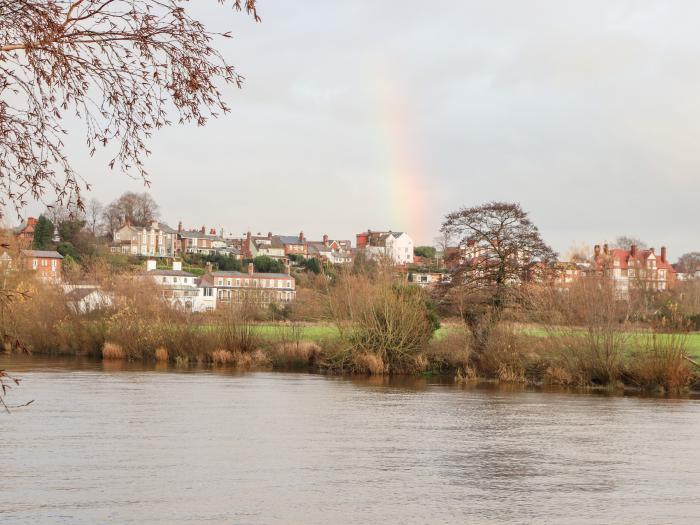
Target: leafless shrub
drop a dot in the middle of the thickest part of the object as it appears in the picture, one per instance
(382, 317)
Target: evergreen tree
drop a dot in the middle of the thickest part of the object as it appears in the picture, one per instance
(43, 233)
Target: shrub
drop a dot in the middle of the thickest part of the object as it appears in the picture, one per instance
(113, 351)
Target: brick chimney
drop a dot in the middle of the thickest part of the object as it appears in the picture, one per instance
(31, 221)
(212, 231)
(596, 250)
(606, 250)
(269, 235)
(325, 239)
(663, 254)
(633, 250)
(301, 237)
(251, 268)
(179, 226)
(203, 229)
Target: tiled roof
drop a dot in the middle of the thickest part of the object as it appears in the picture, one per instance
(169, 273)
(46, 254)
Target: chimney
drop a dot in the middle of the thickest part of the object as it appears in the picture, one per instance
(212, 231)
(325, 239)
(31, 221)
(150, 265)
(663, 254)
(633, 250)
(596, 250)
(301, 237)
(251, 268)
(606, 250)
(177, 266)
(203, 229)
(179, 226)
(269, 235)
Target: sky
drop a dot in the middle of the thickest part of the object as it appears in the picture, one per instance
(389, 114)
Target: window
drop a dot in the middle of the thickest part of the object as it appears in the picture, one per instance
(238, 282)
(44, 262)
(165, 279)
(208, 292)
(220, 282)
(245, 282)
(228, 282)
(35, 264)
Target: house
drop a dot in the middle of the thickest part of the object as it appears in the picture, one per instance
(294, 245)
(260, 288)
(181, 289)
(25, 231)
(331, 251)
(155, 240)
(567, 273)
(635, 269)
(200, 242)
(397, 246)
(83, 299)
(425, 279)
(46, 263)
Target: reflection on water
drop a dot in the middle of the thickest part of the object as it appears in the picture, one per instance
(126, 443)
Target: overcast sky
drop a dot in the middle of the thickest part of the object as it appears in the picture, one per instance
(388, 114)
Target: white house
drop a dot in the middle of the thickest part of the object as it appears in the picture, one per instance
(87, 298)
(397, 246)
(182, 288)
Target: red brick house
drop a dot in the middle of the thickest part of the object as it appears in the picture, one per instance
(635, 268)
(46, 263)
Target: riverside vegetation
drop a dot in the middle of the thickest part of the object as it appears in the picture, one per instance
(371, 322)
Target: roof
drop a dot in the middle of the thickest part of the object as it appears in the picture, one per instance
(208, 279)
(81, 293)
(290, 239)
(169, 273)
(196, 234)
(45, 254)
(624, 256)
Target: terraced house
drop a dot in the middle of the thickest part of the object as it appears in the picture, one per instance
(155, 240)
(259, 288)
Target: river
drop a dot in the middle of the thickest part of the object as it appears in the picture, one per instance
(123, 443)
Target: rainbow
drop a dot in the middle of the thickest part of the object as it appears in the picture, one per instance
(407, 187)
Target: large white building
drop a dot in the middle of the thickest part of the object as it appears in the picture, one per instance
(397, 246)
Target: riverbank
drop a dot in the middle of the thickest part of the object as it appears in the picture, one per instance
(520, 355)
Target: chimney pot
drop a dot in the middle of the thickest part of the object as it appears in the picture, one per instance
(269, 235)
(663, 254)
(633, 250)
(325, 238)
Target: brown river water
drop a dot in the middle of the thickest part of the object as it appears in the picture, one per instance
(125, 443)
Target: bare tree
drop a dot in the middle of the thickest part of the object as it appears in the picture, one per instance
(500, 249)
(116, 65)
(625, 241)
(93, 215)
(689, 263)
(139, 209)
